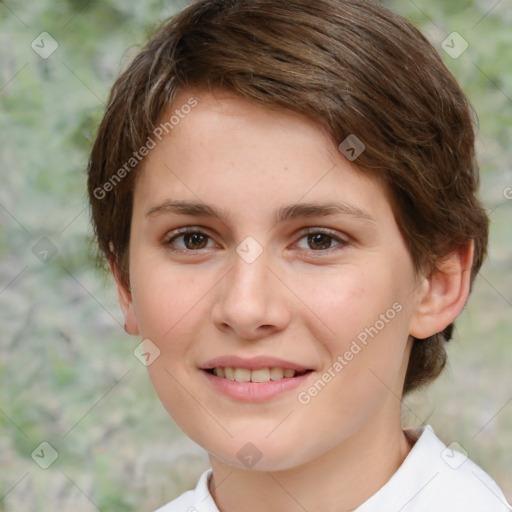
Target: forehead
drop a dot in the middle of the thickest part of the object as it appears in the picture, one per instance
(241, 155)
(223, 123)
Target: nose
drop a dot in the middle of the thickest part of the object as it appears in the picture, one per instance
(251, 302)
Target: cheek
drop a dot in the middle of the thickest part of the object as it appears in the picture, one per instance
(165, 300)
(169, 309)
(361, 322)
(344, 303)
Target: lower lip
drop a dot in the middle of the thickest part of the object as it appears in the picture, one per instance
(254, 391)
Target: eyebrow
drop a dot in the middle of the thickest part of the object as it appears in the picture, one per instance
(298, 210)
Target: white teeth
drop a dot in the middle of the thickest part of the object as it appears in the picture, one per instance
(276, 373)
(262, 375)
(259, 375)
(242, 375)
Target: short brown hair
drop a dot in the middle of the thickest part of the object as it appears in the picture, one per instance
(356, 68)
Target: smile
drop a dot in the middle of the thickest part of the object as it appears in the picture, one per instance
(257, 375)
(254, 379)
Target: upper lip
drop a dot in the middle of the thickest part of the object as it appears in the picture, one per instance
(252, 363)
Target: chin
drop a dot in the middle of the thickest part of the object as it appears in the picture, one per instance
(260, 454)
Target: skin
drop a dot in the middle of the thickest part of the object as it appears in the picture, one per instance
(300, 300)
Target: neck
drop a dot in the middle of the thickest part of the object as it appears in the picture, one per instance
(341, 479)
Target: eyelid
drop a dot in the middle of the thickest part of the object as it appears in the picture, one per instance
(328, 231)
(186, 229)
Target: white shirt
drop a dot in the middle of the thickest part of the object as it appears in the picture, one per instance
(432, 478)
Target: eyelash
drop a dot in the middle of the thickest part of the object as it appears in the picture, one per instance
(172, 237)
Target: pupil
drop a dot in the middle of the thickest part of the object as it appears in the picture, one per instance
(320, 240)
(194, 239)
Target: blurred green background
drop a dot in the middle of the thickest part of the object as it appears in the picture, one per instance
(68, 373)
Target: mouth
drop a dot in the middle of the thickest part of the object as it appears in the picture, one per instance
(259, 375)
(254, 379)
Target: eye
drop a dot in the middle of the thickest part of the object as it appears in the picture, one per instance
(187, 239)
(320, 240)
(191, 239)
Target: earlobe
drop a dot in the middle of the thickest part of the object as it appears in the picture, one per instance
(125, 300)
(442, 295)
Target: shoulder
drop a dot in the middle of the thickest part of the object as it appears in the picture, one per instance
(438, 477)
(196, 500)
(183, 503)
(458, 483)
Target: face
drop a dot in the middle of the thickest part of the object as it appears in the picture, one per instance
(259, 253)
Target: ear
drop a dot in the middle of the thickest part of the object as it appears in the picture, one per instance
(125, 299)
(442, 295)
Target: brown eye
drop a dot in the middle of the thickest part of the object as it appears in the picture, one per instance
(188, 241)
(194, 241)
(319, 241)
